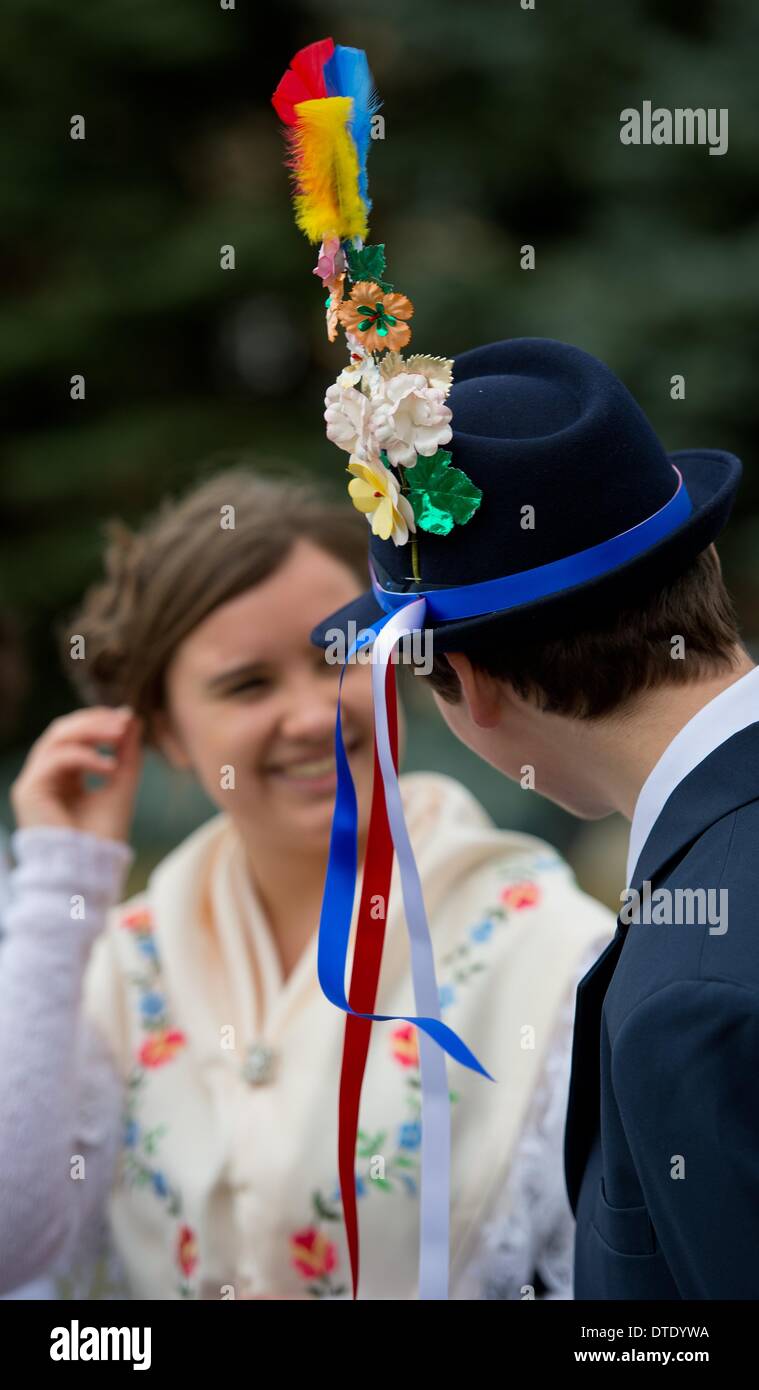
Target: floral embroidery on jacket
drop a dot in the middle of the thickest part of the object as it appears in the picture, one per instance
(315, 1257)
(159, 1047)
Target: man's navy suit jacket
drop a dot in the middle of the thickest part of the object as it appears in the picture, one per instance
(662, 1160)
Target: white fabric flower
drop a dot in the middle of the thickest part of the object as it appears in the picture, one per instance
(347, 413)
(409, 417)
(361, 368)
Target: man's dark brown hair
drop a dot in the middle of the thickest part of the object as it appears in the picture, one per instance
(593, 670)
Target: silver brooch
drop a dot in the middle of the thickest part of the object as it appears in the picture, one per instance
(258, 1067)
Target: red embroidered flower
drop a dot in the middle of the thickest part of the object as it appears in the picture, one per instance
(161, 1047)
(187, 1250)
(405, 1045)
(313, 1255)
(139, 920)
(519, 895)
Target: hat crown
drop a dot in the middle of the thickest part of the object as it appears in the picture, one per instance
(564, 455)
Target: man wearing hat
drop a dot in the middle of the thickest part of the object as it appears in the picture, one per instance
(582, 630)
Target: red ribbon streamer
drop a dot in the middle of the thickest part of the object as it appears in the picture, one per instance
(367, 958)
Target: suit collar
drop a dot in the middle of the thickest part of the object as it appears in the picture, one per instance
(725, 780)
(734, 709)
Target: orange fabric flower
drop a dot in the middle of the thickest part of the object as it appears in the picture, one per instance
(376, 318)
(161, 1047)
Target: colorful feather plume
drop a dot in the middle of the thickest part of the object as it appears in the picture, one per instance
(326, 100)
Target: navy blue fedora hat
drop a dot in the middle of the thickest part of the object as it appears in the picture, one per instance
(540, 425)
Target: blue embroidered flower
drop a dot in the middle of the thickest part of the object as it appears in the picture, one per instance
(360, 1190)
(146, 944)
(410, 1135)
(409, 1184)
(152, 1004)
(131, 1134)
(160, 1186)
(446, 994)
(483, 931)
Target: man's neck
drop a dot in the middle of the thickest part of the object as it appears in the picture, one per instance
(627, 749)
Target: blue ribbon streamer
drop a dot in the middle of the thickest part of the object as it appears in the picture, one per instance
(340, 892)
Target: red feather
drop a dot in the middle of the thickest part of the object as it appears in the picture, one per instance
(304, 79)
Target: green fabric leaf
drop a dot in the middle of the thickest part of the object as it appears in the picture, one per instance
(441, 495)
(368, 264)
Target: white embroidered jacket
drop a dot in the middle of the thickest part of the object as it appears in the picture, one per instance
(104, 1082)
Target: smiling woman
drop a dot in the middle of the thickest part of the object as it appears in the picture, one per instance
(202, 628)
(185, 1049)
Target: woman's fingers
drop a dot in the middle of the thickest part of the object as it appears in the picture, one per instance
(97, 724)
(77, 757)
(50, 789)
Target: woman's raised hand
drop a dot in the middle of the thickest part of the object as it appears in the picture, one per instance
(50, 789)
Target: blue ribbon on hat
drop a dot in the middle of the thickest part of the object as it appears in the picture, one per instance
(405, 613)
(513, 590)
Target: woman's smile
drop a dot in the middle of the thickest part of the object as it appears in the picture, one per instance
(315, 774)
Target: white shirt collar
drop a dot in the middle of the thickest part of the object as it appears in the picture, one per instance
(729, 712)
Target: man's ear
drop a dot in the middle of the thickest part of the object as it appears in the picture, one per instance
(483, 694)
(168, 742)
(715, 553)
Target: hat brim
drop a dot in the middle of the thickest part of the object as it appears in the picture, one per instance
(711, 477)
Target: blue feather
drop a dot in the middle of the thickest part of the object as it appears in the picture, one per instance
(347, 74)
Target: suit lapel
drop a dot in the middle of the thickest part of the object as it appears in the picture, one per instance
(585, 1081)
(727, 779)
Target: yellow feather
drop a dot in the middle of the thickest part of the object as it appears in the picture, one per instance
(326, 201)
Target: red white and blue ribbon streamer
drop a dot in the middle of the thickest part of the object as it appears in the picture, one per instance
(435, 1037)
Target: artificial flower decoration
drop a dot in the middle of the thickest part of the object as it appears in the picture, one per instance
(331, 262)
(361, 368)
(410, 417)
(376, 318)
(334, 300)
(376, 492)
(347, 413)
(438, 371)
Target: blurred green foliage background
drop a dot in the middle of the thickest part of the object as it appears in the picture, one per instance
(502, 128)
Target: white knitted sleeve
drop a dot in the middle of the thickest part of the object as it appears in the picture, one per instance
(60, 1092)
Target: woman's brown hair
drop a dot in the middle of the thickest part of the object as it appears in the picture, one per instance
(224, 536)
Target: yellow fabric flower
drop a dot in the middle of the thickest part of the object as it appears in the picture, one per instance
(375, 491)
(377, 319)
